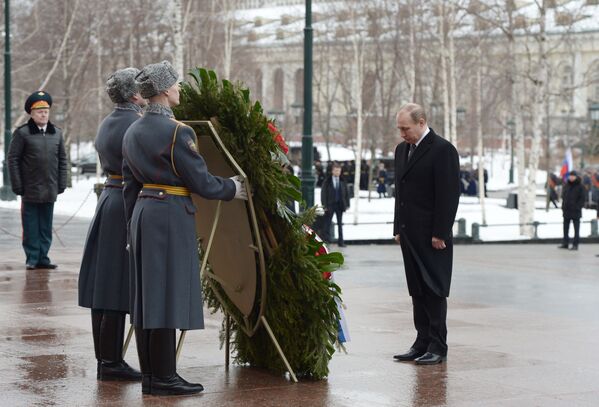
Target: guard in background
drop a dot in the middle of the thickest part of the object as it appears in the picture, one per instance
(161, 168)
(104, 274)
(37, 165)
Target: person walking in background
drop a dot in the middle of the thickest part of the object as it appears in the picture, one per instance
(104, 273)
(381, 180)
(427, 185)
(573, 198)
(334, 197)
(37, 165)
(552, 183)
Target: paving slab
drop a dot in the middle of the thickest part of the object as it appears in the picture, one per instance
(523, 324)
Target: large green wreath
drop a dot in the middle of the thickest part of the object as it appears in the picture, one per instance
(301, 305)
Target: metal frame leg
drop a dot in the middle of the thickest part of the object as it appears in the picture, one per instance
(274, 340)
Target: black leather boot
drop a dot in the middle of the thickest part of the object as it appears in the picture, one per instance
(97, 316)
(142, 338)
(112, 332)
(165, 380)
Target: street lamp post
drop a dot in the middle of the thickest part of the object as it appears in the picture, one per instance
(511, 125)
(6, 193)
(308, 179)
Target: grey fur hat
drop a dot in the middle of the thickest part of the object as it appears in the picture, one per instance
(156, 78)
(121, 85)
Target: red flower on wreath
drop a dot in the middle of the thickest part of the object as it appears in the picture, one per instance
(278, 137)
(321, 250)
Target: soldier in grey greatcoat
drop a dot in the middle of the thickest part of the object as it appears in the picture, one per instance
(104, 273)
(161, 167)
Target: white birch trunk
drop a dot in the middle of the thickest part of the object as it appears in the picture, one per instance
(479, 136)
(411, 68)
(359, 63)
(538, 113)
(453, 130)
(179, 44)
(229, 29)
(442, 46)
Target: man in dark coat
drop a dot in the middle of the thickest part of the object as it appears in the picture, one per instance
(334, 197)
(573, 199)
(104, 273)
(37, 165)
(427, 182)
(161, 168)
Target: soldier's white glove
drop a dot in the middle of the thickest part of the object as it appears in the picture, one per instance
(240, 191)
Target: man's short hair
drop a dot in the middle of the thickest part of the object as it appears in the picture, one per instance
(336, 165)
(415, 110)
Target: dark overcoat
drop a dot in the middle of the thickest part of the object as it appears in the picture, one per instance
(37, 163)
(166, 290)
(573, 199)
(328, 197)
(104, 272)
(426, 202)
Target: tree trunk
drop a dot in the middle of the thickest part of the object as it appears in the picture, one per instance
(442, 47)
(479, 136)
(359, 79)
(453, 133)
(178, 42)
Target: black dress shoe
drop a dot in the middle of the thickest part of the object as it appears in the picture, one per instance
(562, 246)
(429, 359)
(118, 371)
(342, 245)
(410, 355)
(30, 267)
(146, 384)
(48, 266)
(172, 386)
(574, 248)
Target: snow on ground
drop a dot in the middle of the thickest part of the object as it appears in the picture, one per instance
(376, 217)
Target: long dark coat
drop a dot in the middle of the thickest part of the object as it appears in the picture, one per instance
(166, 291)
(573, 199)
(327, 194)
(104, 272)
(426, 202)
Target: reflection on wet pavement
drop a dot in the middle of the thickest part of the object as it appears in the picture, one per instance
(520, 317)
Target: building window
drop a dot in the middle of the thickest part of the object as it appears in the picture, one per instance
(299, 87)
(278, 95)
(258, 89)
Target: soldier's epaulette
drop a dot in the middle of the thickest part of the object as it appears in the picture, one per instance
(178, 122)
(22, 125)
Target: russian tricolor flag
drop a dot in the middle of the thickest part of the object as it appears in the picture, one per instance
(567, 165)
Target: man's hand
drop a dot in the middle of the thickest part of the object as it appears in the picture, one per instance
(397, 238)
(438, 244)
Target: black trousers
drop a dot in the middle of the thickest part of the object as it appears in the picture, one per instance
(157, 352)
(328, 215)
(576, 223)
(430, 315)
(37, 231)
(108, 329)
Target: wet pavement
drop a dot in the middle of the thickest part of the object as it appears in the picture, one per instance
(523, 326)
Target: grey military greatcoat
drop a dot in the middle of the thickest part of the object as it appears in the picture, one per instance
(104, 273)
(167, 290)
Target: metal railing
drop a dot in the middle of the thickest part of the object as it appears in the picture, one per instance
(475, 228)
